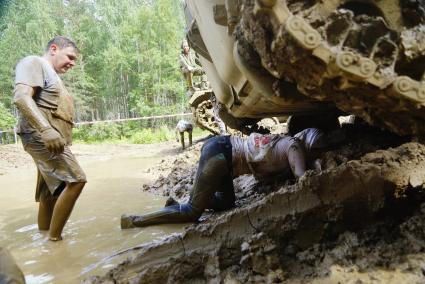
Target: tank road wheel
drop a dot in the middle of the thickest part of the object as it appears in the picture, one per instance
(202, 103)
(205, 118)
(366, 56)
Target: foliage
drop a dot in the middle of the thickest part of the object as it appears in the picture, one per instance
(7, 121)
(129, 50)
(127, 132)
(149, 135)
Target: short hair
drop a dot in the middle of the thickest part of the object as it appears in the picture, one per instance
(184, 41)
(62, 42)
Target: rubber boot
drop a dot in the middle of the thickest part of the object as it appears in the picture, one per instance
(223, 201)
(170, 202)
(181, 213)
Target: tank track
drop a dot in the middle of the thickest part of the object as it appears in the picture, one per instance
(345, 52)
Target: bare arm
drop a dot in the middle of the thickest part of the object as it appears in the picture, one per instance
(23, 99)
(296, 158)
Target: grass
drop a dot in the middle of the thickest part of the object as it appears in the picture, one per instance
(126, 133)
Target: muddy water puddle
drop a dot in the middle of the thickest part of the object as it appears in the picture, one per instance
(93, 241)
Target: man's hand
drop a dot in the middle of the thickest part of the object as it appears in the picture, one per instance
(53, 140)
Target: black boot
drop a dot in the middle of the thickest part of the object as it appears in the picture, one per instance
(171, 214)
(170, 202)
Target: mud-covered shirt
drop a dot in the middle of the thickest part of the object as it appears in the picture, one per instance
(184, 125)
(312, 138)
(51, 96)
(264, 156)
(187, 62)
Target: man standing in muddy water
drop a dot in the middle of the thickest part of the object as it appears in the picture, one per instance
(223, 158)
(45, 126)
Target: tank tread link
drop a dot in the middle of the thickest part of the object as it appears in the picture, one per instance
(344, 51)
(202, 106)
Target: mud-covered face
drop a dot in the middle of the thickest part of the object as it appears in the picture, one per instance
(63, 59)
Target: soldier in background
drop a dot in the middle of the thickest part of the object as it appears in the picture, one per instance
(189, 66)
(182, 127)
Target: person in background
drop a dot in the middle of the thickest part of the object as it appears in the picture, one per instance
(182, 127)
(189, 66)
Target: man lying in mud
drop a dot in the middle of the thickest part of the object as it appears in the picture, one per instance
(226, 157)
(45, 127)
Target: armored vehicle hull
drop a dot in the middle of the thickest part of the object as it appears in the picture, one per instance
(287, 57)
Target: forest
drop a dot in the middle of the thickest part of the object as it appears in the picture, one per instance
(128, 62)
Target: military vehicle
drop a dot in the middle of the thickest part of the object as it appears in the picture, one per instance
(314, 60)
(203, 109)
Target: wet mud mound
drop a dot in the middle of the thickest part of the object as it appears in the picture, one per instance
(176, 173)
(359, 220)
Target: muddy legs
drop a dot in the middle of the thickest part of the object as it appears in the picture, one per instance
(182, 139)
(190, 138)
(45, 212)
(63, 208)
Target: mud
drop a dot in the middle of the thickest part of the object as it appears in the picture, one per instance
(93, 241)
(359, 220)
(396, 51)
(12, 157)
(177, 180)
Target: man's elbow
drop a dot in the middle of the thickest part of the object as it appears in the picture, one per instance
(19, 99)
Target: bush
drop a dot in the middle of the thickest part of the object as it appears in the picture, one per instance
(137, 132)
(97, 132)
(7, 121)
(149, 136)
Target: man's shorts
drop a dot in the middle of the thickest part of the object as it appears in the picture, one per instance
(54, 171)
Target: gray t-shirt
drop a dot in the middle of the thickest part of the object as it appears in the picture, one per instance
(184, 125)
(312, 138)
(51, 96)
(265, 156)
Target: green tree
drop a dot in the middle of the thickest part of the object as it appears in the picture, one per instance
(129, 49)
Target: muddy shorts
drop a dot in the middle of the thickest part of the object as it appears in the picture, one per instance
(54, 171)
